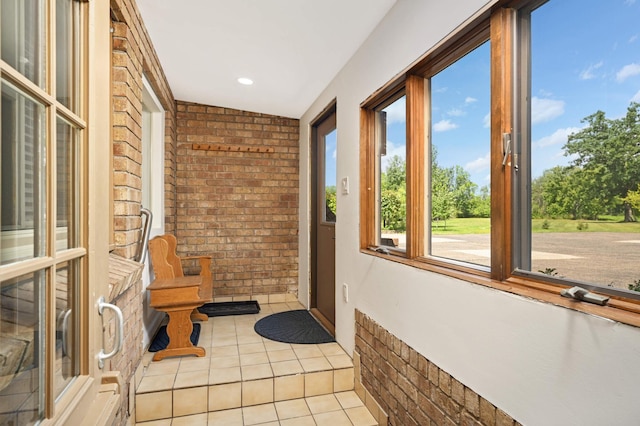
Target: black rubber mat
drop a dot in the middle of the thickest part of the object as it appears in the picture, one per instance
(297, 326)
(220, 309)
(161, 341)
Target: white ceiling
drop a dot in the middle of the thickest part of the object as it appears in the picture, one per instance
(291, 49)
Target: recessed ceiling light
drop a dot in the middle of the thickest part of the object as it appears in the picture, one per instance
(245, 81)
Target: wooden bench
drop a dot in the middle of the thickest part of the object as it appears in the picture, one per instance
(180, 298)
(178, 295)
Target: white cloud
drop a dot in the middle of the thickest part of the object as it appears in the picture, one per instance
(636, 97)
(396, 112)
(456, 112)
(633, 38)
(486, 121)
(545, 109)
(392, 151)
(588, 74)
(560, 136)
(444, 125)
(479, 164)
(470, 100)
(629, 2)
(627, 71)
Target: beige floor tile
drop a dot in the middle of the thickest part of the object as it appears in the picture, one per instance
(223, 351)
(349, 399)
(226, 418)
(259, 414)
(165, 422)
(340, 361)
(193, 420)
(254, 372)
(299, 421)
(343, 380)
(251, 348)
(224, 375)
(166, 366)
(189, 363)
(248, 339)
(292, 408)
(190, 401)
(191, 379)
(309, 365)
(281, 355)
(225, 361)
(154, 406)
(331, 349)
(307, 351)
(225, 341)
(257, 392)
(285, 368)
(288, 387)
(277, 298)
(226, 396)
(279, 307)
(335, 418)
(360, 416)
(319, 383)
(272, 345)
(254, 358)
(156, 383)
(323, 404)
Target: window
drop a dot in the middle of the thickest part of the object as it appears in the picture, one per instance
(42, 246)
(579, 157)
(522, 162)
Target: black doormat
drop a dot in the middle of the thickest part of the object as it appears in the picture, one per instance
(220, 309)
(161, 341)
(297, 326)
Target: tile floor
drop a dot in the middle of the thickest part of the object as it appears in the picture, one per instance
(245, 379)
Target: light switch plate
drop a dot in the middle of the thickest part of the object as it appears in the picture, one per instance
(345, 185)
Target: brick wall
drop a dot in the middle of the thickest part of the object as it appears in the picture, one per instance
(413, 390)
(132, 56)
(240, 207)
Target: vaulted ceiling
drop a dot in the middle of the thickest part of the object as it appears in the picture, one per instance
(290, 49)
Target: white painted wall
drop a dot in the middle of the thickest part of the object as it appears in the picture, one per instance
(542, 364)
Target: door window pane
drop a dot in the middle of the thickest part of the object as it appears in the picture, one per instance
(68, 189)
(23, 37)
(330, 141)
(583, 141)
(22, 177)
(67, 285)
(460, 160)
(66, 48)
(392, 154)
(21, 349)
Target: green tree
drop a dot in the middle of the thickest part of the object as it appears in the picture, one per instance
(608, 152)
(463, 191)
(482, 203)
(393, 195)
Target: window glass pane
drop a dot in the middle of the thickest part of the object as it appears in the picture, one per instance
(23, 37)
(22, 177)
(330, 141)
(585, 156)
(66, 48)
(66, 365)
(392, 126)
(460, 160)
(21, 349)
(68, 190)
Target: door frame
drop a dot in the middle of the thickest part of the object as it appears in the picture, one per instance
(316, 163)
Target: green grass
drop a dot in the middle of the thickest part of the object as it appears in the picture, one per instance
(482, 226)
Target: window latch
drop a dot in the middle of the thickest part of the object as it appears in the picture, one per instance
(579, 293)
(506, 147)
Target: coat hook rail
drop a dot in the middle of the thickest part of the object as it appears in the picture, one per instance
(231, 148)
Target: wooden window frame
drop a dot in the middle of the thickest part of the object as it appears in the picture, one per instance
(496, 23)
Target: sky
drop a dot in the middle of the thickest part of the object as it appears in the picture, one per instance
(585, 58)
